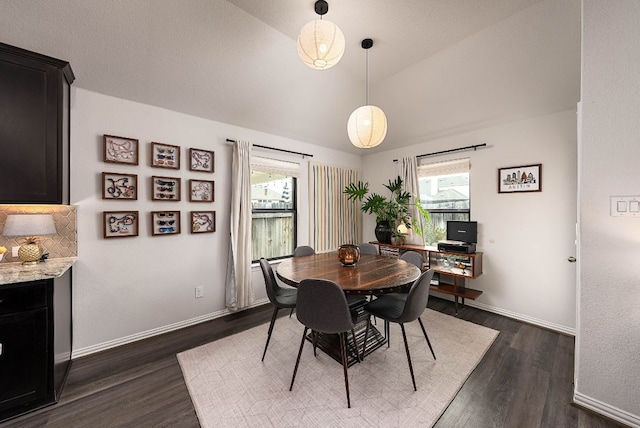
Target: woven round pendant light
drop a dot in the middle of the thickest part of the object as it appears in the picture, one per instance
(367, 125)
(321, 43)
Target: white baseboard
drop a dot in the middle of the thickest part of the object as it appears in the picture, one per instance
(606, 410)
(82, 352)
(77, 353)
(520, 317)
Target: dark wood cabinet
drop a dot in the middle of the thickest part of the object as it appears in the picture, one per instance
(456, 267)
(35, 343)
(34, 127)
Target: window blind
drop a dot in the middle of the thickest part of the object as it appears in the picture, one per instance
(275, 166)
(456, 166)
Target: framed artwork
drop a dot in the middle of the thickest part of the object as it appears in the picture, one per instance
(119, 150)
(165, 156)
(201, 191)
(165, 223)
(120, 224)
(201, 160)
(165, 188)
(119, 186)
(203, 221)
(525, 178)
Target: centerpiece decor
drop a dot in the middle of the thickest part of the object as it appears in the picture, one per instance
(348, 254)
(390, 212)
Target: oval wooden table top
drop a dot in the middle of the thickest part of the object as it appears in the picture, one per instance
(371, 275)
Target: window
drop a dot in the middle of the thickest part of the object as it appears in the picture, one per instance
(444, 191)
(273, 208)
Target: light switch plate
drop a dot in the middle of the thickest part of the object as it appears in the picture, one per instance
(625, 206)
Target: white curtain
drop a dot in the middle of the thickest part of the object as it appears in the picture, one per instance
(408, 172)
(334, 220)
(239, 292)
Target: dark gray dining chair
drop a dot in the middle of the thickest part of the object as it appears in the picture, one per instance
(281, 297)
(322, 307)
(401, 312)
(367, 248)
(303, 250)
(412, 257)
(415, 258)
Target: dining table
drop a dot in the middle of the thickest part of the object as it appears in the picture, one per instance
(372, 275)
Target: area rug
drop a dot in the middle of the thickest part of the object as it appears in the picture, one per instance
(231, 387)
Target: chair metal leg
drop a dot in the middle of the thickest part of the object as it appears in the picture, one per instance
(343, 351)
(387, 333)
(427, 337)
(273, 321)
(355, 343)
(314, 337)
(406, 347)
(291, 313)
(366, 334)
(295, 370)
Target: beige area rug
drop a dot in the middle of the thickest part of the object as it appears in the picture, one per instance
(231, 387)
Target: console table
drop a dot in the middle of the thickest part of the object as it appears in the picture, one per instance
(459, 266)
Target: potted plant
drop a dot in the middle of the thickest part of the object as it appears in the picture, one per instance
(423, 223)
(390, 211)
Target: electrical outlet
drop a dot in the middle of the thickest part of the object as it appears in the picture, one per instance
(199, 292)
(14, 251)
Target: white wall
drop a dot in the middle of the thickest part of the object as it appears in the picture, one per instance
(608, 337)
(526, 237)
(129, 288)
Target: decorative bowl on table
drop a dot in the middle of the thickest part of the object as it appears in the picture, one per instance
(348, 254)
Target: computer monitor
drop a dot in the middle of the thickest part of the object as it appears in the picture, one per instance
(464, 231)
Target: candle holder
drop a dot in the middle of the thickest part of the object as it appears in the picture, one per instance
(348, 254)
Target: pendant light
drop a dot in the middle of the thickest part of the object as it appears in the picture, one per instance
(367, 125)
(321, 43)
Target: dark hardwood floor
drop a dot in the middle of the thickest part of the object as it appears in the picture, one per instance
(524, 380)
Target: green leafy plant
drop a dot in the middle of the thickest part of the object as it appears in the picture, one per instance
(421, 227)
(394, 209)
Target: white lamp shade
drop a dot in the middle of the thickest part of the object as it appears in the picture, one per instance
(402, 228)
(29, 225)
(367, 127)
(320, 44)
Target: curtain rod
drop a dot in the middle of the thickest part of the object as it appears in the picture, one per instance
(474, 147)
(273, 148)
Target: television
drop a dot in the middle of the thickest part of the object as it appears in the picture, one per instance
(464, 231)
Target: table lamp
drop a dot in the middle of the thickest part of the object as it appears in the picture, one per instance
(29, 226)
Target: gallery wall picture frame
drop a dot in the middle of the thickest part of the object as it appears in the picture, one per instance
(203, 221)
(201, 190)
(121, 150)
(119, 186)
(201, 160)
(165, 156)
(120, 224)
(165, 223)
(518, 179)
(165, 188)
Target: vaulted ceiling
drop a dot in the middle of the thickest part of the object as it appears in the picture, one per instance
(437, 67)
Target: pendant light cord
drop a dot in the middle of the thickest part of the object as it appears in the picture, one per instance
(367, 77)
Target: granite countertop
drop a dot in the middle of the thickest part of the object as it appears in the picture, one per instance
(11, 273)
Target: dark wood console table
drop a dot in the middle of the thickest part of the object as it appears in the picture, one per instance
(459, 266)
